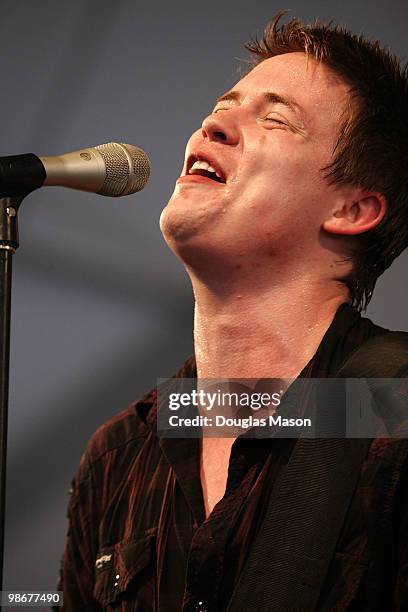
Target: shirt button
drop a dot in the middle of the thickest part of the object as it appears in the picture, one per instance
(201, 606)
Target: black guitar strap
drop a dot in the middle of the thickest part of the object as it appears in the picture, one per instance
(291, 554)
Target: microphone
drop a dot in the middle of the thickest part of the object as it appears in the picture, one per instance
(113, 169)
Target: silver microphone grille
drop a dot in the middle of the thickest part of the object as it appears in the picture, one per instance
(127, 169)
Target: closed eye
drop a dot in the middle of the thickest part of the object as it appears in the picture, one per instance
(216, 110)
(275, 120)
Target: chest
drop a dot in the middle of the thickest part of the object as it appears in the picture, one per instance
(215, 459)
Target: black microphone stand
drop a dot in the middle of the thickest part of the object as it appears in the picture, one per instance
(19, 176)
(8, 245)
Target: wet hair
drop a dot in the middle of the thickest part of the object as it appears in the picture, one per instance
(371, 151)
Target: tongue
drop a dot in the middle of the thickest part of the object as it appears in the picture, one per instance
(207, 174)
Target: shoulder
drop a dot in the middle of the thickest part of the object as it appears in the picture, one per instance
(384, 354)
(129, 426)
(119, 439)
(390, 349)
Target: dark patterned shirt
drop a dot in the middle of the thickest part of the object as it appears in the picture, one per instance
(138, 539)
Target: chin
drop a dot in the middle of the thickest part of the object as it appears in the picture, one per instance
(179, 230)
(187, 237)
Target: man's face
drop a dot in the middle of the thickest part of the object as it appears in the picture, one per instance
(268, 139)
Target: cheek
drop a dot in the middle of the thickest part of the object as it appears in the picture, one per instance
(282, 181)
(292, 171)
(285, 197)
(276, 156)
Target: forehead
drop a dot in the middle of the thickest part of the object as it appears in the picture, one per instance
(322, 95)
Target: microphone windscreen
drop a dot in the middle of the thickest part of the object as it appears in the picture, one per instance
(127, 169)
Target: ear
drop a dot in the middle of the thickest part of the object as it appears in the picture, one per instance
(357, 215)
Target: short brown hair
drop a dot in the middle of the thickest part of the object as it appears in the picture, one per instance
(372, 146)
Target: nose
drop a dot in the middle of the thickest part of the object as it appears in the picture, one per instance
(218, 127)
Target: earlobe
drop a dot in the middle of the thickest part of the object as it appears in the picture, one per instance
(358, 216)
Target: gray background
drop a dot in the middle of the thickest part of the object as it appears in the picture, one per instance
(100, 305)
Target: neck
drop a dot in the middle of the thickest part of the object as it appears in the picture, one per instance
(260, 331)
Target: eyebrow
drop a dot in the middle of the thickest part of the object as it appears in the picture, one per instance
(269, 97)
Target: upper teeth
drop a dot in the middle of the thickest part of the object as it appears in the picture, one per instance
(203, 165)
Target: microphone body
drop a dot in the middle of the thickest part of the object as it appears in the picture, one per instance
(112, 169)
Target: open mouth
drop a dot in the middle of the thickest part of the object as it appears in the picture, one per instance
(202, 167)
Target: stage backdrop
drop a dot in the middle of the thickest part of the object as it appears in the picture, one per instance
(101, 307)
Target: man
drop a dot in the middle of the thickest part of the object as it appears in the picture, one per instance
(292, 201)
